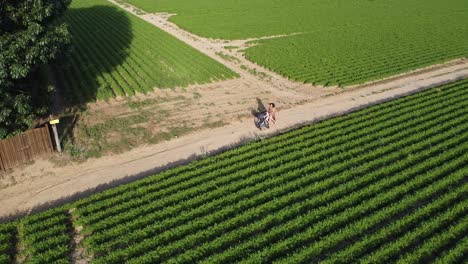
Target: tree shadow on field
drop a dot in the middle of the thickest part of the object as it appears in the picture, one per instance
(101, 37)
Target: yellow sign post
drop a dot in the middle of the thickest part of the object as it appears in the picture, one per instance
(54, 123)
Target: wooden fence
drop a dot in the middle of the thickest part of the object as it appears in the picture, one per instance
(25, 147)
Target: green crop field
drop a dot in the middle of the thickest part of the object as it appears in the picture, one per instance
(388, 183)
(341, 42)
(115, 53)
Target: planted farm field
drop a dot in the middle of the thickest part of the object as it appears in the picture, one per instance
(358, 56)
(339, 42)
(385, 184)
(115, 53)
(42, 238)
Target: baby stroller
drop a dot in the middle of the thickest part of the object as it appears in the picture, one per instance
(262, 120)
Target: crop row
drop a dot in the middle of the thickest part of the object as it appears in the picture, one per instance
(457, 254)
(313, 252)
(149, 243)
(422, 253)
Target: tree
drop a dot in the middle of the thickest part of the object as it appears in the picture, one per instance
(31, 35)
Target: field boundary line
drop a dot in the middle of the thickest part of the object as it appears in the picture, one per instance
(78, 254)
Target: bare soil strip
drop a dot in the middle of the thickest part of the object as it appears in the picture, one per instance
(78, 254)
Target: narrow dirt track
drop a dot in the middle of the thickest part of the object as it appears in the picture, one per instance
(47, 185)
(232, 58)
(43, 185)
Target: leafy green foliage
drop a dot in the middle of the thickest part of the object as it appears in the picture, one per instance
(383, 184)
(29, 37)
(16, 113)
(7, 243)
(115, 53)
(338, 42)
(45, 237)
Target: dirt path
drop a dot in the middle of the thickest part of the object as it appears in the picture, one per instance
(229, 53)
(44, 185)
(163, 112)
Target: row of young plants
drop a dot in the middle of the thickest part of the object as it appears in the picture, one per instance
(40, 238)
(387, 183)
(423, 252)
(436, 224)
(255, 243)
(117, 54)
(247, 238)
(380, 60)
(457, 254)
(345, 76)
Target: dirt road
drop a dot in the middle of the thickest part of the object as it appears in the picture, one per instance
(163, 113)
(44, 185)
